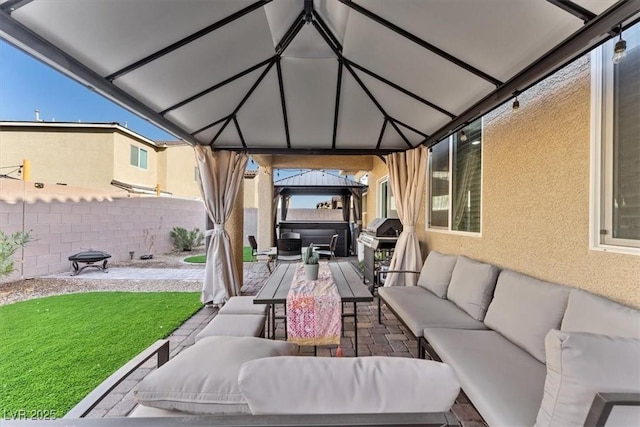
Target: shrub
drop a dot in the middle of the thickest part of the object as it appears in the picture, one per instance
(9, 244)
(184, 240)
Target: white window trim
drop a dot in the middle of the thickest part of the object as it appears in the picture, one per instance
(427, 210)
(598, 122)
(379, 195)
(139, 150)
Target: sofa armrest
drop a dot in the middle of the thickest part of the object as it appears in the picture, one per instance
(603, 404)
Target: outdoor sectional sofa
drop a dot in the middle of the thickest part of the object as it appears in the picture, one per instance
(525, 351)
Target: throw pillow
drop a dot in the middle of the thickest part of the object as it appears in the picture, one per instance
(580, 364)
(471, 287)
(436, 273)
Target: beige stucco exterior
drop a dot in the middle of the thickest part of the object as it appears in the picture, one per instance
(535, 207)
(92, 155)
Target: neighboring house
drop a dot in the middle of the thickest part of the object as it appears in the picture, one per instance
(100, 156)
(551, 189)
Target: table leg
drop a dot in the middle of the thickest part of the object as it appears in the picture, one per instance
(355, 326)
(273, 321)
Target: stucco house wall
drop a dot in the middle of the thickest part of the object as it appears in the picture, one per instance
(535, 193)
(179, 170)
(60, 155)
(124, 171)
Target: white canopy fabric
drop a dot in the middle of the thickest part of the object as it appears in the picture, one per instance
(325, 76)
(221, 174)
(406, 176)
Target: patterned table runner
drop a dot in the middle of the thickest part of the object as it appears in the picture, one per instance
(314, 308)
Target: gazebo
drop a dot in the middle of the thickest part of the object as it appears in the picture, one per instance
(322, 183)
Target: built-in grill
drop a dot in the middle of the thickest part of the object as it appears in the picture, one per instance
(379, 239)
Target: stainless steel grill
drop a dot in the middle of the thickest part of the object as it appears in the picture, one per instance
(379, 239)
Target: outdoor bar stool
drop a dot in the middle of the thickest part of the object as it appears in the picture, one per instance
(234, 325)
(243, 305)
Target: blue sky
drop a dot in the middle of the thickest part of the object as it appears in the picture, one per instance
(27, 84)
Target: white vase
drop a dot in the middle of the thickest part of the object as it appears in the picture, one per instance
(311, 271)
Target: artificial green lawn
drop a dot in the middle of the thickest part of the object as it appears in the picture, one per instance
(55, 350)
(201, 259)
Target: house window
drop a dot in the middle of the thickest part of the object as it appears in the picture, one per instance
(386, 201)
(138, 157)
(455, 181)
(616, 146)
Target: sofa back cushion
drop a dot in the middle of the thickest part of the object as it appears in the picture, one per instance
(203, 378)
(587, 312)
(353, 385)
(525, 309)
(471, 287)
(581, 364)
(436, 273)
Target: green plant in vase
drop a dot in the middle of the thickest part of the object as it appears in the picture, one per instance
(310, 260)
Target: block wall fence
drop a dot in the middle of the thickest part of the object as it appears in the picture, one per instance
(61, 228)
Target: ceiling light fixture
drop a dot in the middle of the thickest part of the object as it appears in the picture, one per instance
(516, 103)
(463, 136)
(620, 49)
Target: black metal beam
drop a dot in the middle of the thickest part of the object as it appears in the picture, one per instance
(11, 6)
(399, 88)
(283, 102)
(417, 40)
(290, 34)
(325, 27)
(202, 129)
(402, 135)
(384, 127)
(218, 85)
(42, 49)
(360, 82)
(217, 135)
(235, 112)
(411, 128)
(592, 34)
(315, 151)
(235, 122)
(162, 52)
(337, 108)
(574, 9)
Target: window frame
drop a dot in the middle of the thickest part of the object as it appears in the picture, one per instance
(138, 151)
(390, 201)
(601, 156)
(450, 140)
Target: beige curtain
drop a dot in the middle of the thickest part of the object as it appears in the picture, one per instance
(407, 178)
(221, 174)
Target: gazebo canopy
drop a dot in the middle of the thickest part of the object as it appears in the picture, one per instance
(310, 76)
(316, 183)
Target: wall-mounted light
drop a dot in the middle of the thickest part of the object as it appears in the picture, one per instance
(516, 103)
(620, 49)
(38, 185)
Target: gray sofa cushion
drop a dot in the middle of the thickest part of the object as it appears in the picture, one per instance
(502, 380)
(436, 273)
(525, 309)
(194, 382)
(243, 305)
(234, 325)
(418, 308)
(581, 364)
(353, 385)
(587, 312)
(471, 286)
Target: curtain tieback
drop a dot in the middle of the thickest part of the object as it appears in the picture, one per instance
(409, 229)
(216, 227)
